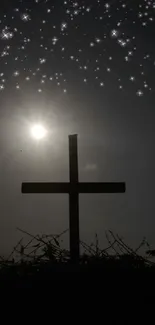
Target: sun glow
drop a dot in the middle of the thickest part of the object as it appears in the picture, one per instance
(38, 132)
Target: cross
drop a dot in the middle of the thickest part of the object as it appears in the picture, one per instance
(73, 188)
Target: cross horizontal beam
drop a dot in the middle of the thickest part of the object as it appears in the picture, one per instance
(70, 188)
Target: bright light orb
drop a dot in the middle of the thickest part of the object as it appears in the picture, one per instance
(38, 132)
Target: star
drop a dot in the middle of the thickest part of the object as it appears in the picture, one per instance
(1, 87)
(114, 33)
(42, 60)
(16, 73)
(6, 35)
(132, 78)
(25, 17)
(139, 93)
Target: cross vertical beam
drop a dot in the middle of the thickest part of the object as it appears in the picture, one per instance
(73, 199)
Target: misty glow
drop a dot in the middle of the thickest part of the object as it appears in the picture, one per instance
(38, 132)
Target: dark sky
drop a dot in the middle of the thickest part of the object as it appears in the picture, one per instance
(85, 67)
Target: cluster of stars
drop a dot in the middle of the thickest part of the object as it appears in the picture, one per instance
(49, 45)
(6, 34)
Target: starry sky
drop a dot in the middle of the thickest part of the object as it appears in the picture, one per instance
(85, 67)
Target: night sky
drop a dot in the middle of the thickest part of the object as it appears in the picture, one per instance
(85, 67)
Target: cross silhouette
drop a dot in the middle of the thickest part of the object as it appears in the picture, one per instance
(73, 188)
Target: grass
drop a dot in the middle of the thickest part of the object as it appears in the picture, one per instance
(40, 257)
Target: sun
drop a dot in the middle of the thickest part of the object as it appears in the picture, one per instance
(38, 131)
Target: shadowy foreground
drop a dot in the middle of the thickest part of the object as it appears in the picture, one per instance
(42, 262)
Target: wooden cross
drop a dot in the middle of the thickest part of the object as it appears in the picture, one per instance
(73, 188)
